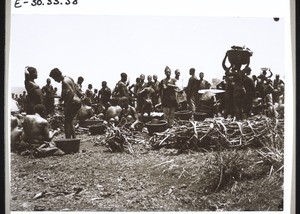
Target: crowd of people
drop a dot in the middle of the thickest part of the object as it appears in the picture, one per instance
(240, 95)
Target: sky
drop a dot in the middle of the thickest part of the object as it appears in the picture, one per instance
(101, 47)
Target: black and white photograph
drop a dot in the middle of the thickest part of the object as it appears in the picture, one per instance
(148, 112)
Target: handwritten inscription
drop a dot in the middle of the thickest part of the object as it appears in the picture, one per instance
(20, 3)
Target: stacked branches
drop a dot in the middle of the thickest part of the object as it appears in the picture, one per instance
(217, 132)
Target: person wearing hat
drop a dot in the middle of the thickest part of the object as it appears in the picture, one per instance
(34, 93)
(70, 95)
(168, 96)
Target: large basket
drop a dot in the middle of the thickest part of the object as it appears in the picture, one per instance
(237, 56)
(68, 145)
(161, 126)
(183, 115)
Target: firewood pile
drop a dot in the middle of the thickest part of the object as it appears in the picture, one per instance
(117, 141)
(218, 132)
(121, 139)
(212, 133)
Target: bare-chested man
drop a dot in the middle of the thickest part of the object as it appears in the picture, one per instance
(15, 134)
(48, 92)
(36, 136)
(36, 128)
(72, 103)
(192, 90)
(35, 94)
(85, 112)
(128, 113)
(113, 112)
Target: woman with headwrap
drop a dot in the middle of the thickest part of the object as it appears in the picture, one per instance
(35, 94)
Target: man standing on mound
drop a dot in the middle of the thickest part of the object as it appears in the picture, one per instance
(72, 103)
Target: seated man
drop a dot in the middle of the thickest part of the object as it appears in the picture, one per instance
(112, 113)
(85, 112)
(36, 133)
(128, 113)
(15, 134)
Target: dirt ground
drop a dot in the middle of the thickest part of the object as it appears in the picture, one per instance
(94, 179)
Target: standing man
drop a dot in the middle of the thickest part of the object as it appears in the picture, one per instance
(150, 82)
(48, 92)
(250, 92)
(155, 86)
(221, 96)
(278, 85)
(89, 91)
(180, 94)
(168, 96)
(79, 83)
(133, 93)
(104, 95)
(34, 93)
(203, 84)
(142, 78)
(72, 103)
(121, 89)
(94, 98)
(140, 100)
(192, 90)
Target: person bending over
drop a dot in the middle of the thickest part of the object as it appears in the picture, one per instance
(70, 95)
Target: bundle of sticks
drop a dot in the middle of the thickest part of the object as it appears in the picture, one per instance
(215, 132)
(121, 139)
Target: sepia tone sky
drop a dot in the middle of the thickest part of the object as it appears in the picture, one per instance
(100, 47)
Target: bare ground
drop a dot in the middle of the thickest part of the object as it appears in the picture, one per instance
(95, 179)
